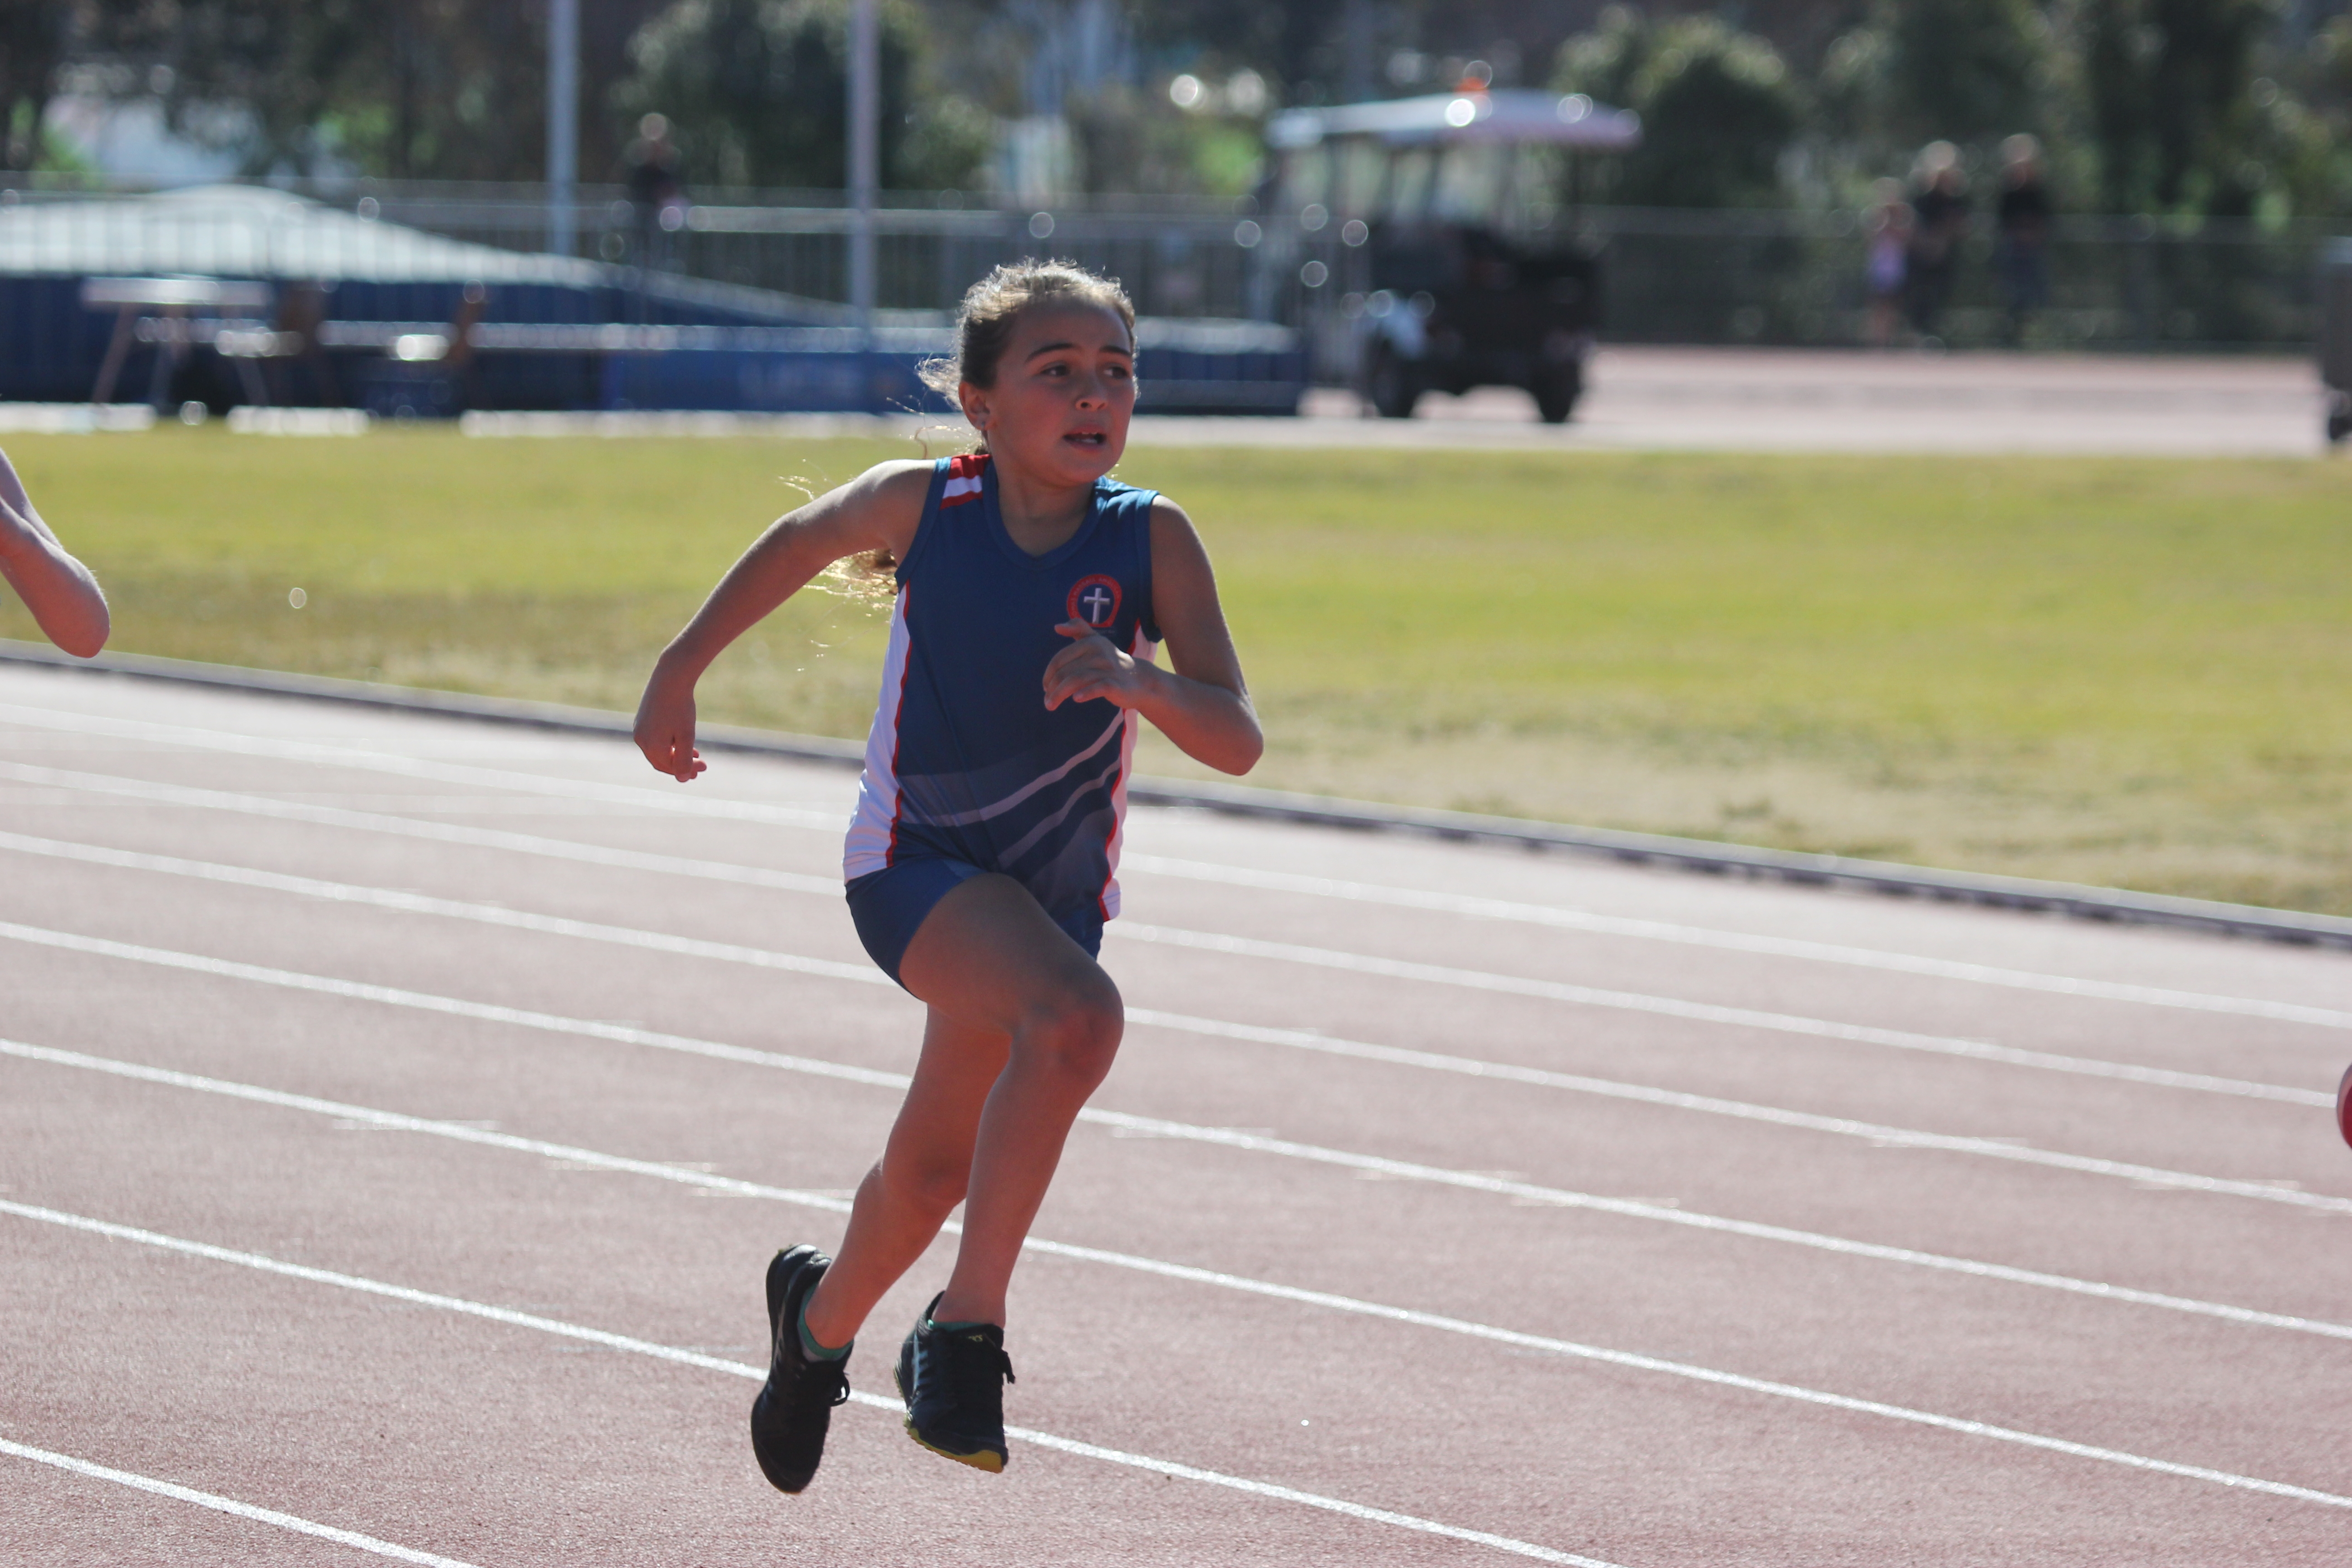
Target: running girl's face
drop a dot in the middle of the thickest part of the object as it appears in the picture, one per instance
(1065, 391)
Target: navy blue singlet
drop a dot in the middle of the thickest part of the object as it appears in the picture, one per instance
(964, 762)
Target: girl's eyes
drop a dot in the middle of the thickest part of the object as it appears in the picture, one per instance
(1062, 368)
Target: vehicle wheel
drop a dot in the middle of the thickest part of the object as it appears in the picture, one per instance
(1393, 387)
(2339, 425)
(1557, 390)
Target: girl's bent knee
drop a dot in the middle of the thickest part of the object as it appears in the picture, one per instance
(1078, 1032)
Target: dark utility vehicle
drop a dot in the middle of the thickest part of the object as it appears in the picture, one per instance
(1453, 307)
(1434, 259)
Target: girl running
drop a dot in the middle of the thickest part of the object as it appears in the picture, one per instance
(1031, 590)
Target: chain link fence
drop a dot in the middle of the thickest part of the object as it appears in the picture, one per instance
(1669, 275)
(2114, 283)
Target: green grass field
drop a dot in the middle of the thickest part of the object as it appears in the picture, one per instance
(2119, 671)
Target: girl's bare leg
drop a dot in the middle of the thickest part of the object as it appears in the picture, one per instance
(920, 1179)
(1023, 1026)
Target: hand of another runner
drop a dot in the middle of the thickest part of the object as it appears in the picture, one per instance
(1093, 666)
(665, 731)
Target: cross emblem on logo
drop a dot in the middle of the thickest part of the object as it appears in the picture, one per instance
(1094, 599)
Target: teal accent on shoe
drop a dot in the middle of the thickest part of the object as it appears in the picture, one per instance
(955, 1328)
(809, 1346)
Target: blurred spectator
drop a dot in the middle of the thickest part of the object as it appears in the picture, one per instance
(1888, 232)
(302, 311)
(655, 192)
(1939, 222)
(2024, 215)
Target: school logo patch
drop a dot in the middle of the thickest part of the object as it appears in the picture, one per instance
(1095, 600)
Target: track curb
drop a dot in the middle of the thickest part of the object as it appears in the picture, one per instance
(2112, 905)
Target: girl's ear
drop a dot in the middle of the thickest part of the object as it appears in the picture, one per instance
(975, 406)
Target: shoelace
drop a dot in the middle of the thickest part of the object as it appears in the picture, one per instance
(810, 1381)
(974, 1367)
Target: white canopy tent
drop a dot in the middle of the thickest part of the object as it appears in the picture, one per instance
(247, 231)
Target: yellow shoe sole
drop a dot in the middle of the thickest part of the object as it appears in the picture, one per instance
(987, 1459)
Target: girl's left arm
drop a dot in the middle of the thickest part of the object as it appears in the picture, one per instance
(1200, 702)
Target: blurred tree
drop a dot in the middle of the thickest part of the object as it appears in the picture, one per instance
(1602, 63)
(2314, 89)
(757, 91)
(420, 89)
(1962, 70)
(1717, 108)
(1965, 71)
(2168, 85)
(1284, 43)
(423, 89)
(33, 39)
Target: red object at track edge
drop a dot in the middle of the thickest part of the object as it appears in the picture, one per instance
(2343, 1106)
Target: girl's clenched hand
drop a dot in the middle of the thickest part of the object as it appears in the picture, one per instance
(1092, 667)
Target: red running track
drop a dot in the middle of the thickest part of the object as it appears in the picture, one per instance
(396, 1116)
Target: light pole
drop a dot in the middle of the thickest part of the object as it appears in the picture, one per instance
(865, 160)
(562, 121)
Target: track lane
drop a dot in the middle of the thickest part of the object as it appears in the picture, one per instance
(520, 1448)
(1422, 1359)
(2182, 957)
(1553, 917)
(1553, 958)
(333, 1534)
(2266, 1188)
(1612, 1151)
(1609, 1164)
(1481, 1263)
(1124, 1124)
(677, 1356)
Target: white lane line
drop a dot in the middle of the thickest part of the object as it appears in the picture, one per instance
(531, 843)
(635, 796)
(1559, 918)
(1555, 916)
(830, 886)
(1575, 1083)
(789, 881)
(796, 882)
(1472, 1181)
(765, 958)
(393, 996)
(411, 827)
(452, 909)
(1705, 1011)
(1347, 1304)
(178, 1493)
(635, 1346)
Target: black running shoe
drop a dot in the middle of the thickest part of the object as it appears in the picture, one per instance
(795, 1406)
(953, 1382)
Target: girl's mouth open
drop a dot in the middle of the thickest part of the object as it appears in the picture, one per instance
(1088, 437)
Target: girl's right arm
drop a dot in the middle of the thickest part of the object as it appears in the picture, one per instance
(877, 511)
(60, 591)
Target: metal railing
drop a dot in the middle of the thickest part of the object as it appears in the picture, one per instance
(2136, 283)
(1670, 276)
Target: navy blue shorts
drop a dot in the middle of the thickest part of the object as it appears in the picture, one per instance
(889, 907)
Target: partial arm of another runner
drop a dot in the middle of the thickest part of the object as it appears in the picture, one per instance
(59, 590)
(1200, 702)
(879, 510)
